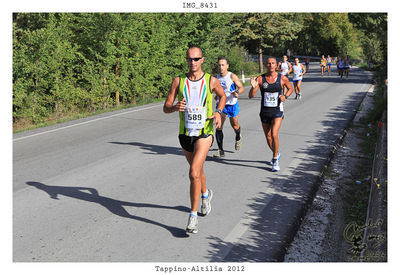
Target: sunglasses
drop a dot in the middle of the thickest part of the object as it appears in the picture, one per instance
(193, 59)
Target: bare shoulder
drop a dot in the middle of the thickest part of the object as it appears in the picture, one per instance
(284, 78)
(175, 83)
(234, 76)
(214, 82)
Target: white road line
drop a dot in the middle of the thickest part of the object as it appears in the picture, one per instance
(86, 122)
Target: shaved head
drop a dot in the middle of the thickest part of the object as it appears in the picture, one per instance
(194, 47)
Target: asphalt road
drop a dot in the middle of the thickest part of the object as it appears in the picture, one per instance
(115, 187)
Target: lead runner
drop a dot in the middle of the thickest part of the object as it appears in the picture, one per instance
(195, 107)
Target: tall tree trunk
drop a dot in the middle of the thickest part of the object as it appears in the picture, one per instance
(260, 59)
(117, 77)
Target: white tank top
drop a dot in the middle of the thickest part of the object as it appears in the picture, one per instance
(285, 68)
(297, 70)
(229, 87)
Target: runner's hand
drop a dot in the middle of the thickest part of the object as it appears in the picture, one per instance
(217, 119)
(254, 82)
(180, 106)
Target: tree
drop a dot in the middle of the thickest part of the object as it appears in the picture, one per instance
(374, 39)
(260, 31)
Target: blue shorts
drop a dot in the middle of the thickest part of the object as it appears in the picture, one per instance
(297, 80)
(231, 110)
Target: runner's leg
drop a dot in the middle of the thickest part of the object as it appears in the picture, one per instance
(276, 125)
(196, 172)
(235, 125)
(267, 132)
(219, 135)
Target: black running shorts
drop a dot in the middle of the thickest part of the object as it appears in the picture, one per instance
(267, 117)
(187, 142)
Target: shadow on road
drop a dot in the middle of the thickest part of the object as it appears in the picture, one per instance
(114, 206)
(280, 210)
(168, 150)
(154, 149)
(242, 162)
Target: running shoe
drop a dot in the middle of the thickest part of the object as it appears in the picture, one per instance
(238, 143)
(296, 97)
(219, 154)
(277, 157)
(299, 96)
(192, 225)
(275, 165)
(206, 203)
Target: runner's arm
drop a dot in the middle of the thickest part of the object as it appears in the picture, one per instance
(304, 69)
(216, 87)
(169, 106)
(285, 82)
(238, 83)
(255, 85)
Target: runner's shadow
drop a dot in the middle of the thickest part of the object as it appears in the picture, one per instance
(242, 162)
(153, 149)
(114, 206)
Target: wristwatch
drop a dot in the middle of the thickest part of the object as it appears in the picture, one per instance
(219, 111)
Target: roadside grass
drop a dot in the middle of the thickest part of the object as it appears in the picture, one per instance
(21, 126)
(357, 195)
(26, 125)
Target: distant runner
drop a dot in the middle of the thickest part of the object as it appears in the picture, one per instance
(328, 64)
(233, 87)
(195, 107)
(298, 72)
(285, 67)
(272, 97)
(347, 65)
(340, 66)
(323, 65)
(307, 63)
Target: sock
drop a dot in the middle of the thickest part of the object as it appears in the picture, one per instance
(193, 213)
(237, 133)
(219, 136)
(205, 195)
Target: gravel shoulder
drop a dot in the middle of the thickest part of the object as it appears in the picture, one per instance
(324, 233)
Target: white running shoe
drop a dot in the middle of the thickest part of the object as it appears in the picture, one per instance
(277, 157)
(275, 165)
(206, 203)
(192, 225)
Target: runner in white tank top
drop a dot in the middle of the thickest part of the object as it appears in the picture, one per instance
(298, 72)
(285, 68)
(232, 87)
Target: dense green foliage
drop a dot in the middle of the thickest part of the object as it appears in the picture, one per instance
(65, 63)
